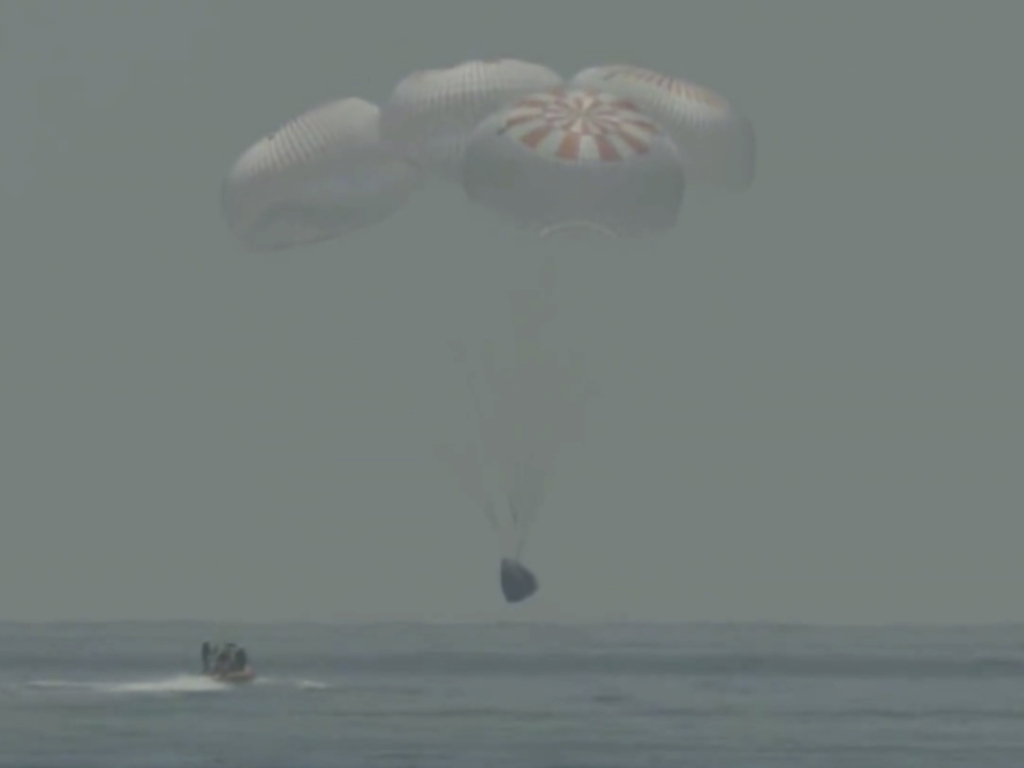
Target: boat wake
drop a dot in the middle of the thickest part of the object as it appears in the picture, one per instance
(177, 684)
(164, 685)
(292, 682)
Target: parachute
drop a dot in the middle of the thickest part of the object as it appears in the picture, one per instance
(610, 152)
(320, 176)
(575, 159)
(717, 141)
(432, 112)
(526, 410)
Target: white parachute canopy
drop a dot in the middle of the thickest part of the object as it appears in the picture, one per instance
(320, 176)
(432, 112)
(582, 158)
(717, 141)
(526, 407)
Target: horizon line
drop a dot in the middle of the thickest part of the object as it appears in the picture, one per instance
(580, 623)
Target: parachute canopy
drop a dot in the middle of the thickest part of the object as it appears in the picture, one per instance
(432, 112)
(716, 140)
(609, 152)
(320, 176)
(565, 159)
(517, 581)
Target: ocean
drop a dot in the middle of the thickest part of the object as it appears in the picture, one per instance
(537, 696)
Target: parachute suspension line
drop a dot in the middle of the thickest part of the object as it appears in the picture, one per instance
(513, 505)
(520, 547)
(548, 276)
(519, 522)
(475, 394)
(572, 230)
(490, 372)
(488, 509)
(524, 500)
(491, 517)
(471, 386)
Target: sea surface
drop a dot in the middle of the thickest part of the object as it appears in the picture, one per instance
(468, 696)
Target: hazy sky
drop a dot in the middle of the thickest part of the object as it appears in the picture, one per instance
(811, 391)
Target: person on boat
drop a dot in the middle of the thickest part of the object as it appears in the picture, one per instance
(223, 659)
(216, 653)
(241, 660)
(206, 654)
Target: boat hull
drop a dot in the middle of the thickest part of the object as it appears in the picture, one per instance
(246, 675)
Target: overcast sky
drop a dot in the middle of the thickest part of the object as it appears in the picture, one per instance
(810, 402)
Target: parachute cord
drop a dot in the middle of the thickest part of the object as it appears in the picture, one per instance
(520, 521)
(488, 509)
(478, 408)
(513, 513)
(474, 393)
(549, 276)
(520, 547)
(475, 397)
(491, 517)
(572, 229)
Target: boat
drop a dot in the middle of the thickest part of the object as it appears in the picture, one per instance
(228, 663)
(238, 676)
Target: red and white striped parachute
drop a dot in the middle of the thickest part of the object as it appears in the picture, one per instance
(610, 152)
(432, 112)
(566, 158)
(716, 140)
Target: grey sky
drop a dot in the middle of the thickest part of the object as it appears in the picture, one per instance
(811, 392)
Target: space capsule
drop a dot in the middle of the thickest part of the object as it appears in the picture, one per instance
(517, 581)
